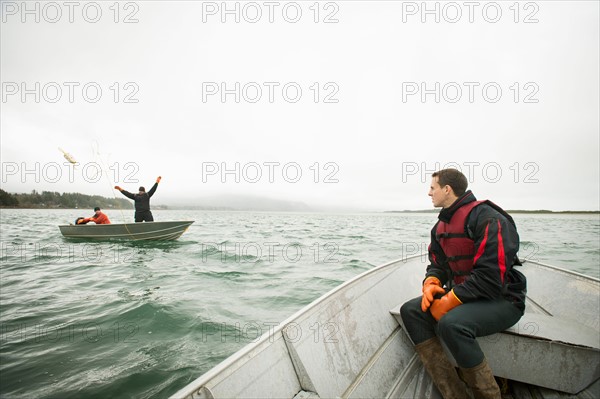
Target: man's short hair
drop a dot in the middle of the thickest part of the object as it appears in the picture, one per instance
(142, 189)
(452, 178)
(96, 208)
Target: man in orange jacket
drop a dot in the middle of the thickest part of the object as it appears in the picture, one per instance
(98, 218)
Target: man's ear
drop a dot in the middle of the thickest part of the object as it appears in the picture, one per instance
(449, 190)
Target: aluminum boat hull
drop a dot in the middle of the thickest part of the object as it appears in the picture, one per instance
(362, 351)
(169, 230)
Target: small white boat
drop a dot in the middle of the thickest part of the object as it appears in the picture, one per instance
(350, 344)
(170, 230)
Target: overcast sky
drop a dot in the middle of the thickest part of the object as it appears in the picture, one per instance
(345, 104)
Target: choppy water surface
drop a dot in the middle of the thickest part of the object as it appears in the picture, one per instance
(144, 319)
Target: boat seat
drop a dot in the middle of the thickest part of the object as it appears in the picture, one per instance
(542, 350)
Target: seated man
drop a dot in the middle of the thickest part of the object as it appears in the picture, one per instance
(470, 288)
(98, 218)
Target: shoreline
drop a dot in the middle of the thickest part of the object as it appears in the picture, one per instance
(195, 208)
(514, 211)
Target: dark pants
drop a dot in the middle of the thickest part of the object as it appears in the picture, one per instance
(459, 327)
(143, 216)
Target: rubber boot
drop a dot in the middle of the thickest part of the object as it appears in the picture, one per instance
(441, 371)
(481, 381)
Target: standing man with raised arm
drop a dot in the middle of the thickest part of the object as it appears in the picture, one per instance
(142, 202)
(470, 290)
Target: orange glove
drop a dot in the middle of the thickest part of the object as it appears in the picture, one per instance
(441, 306)
(158, 179)
(118, 188)
(431, 287)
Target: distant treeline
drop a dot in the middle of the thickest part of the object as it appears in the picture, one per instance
(509, 211)
(49, 199)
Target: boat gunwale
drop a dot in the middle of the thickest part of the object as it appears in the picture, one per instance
(560, 269)
(125, 224)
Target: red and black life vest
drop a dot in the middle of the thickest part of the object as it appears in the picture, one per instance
(456, 244)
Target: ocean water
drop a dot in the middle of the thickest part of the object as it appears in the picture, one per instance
(117, 319)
